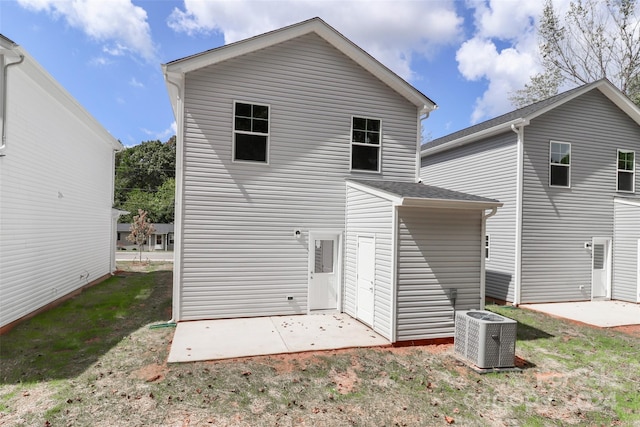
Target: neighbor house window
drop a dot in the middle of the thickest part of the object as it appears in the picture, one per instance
(626, 171)
(365, 144)
(487, 244)
(251, 132)
(560, 164)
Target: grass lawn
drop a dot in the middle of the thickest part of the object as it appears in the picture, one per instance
(94, 361)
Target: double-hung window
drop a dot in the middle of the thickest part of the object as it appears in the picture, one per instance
(251, 132)
(626, 171)
(560, 164)
(366, 138)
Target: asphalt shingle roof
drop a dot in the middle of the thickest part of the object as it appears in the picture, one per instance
(421, 191)
(508, 117)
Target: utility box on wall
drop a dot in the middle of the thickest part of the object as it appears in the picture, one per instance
(485, 339)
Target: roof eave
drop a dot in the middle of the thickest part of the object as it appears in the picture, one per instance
(324, 30)
(468, 139)
(448, 203)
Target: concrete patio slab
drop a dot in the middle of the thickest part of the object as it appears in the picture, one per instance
(604, 314)
(258, 336)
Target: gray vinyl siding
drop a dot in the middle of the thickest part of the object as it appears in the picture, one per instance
(485, 168)
(56, 195)
(369, 215)
(438, 250)
(558, 221)
(626, 283)
(240, 257)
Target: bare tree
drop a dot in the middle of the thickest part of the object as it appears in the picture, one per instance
(140, 230)
(597, 39)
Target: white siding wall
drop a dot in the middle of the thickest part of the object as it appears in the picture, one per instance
(239, 254)
(626, 283)
(485, 168)
(558, 221)
(368, 215)
(56, 194)
(438, 250)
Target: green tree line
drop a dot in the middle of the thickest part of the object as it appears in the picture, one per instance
(145, 179)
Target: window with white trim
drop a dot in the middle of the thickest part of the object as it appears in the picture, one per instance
(366, 138)
(559, 164)
(626, 171)
(251, 132)
(487, 246)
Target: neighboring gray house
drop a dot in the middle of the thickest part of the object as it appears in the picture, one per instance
(160, 240)
(57, 225)
(296, 190)
(565, 169)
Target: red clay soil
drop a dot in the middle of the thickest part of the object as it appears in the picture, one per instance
(633, 330)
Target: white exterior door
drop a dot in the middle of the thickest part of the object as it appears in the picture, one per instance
(323, 271)
(601, 267)
(365, 273)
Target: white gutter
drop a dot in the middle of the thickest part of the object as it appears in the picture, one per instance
(3, 145)
(503, 127)
(176, 314)
(483, 275)
(517, 291)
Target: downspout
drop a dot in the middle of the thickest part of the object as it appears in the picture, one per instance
(4, 103)
(483, 274)
(177, 248)
(517, 291)
(422, 116)
(394, 273)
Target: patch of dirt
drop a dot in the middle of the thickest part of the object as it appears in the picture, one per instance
(345, 381)
(633, 330)
(150, 373)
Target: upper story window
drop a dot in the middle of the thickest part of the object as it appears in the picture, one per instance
(251, 132)
(560, 164)
(365, 144)
(626, 171)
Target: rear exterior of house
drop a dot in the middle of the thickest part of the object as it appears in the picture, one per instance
(269, 129)
(559, 166)
(56, 164)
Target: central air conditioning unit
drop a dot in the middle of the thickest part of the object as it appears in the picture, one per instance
(485, 339)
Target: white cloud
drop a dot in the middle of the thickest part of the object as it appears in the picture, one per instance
(503, 51)
(163, 135)
(391, 31)
(119, 23)
(135, 83)
(100, 61)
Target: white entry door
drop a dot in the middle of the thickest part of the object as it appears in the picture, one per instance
(323, 271)
(365, 273)
(601, 267)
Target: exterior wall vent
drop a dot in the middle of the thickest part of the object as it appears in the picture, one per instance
(485, 339)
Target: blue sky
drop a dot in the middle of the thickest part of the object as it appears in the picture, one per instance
(465, 55)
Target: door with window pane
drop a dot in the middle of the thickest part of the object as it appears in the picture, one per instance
(323, 271)
(600, 248)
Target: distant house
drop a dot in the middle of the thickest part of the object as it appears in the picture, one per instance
(160, 240)
(297, 169)
(565, 169)
(57, 226)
